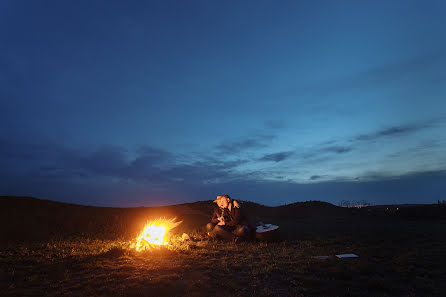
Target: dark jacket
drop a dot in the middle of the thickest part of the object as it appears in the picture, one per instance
(234, 215)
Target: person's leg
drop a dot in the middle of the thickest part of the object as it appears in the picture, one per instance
(221, 232)
(210, 227)
(241, 231)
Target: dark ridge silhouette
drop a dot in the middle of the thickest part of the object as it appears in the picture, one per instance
(31, 219)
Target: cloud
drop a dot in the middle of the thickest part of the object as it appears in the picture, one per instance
(419, 187)
(108, 161)
(276, 157)
(146, 165)
(424, 67)
(39, 159)
(337, 149)
(23, 151)
(252, 142)
(149, 174)
(109, 176)
(275, 124)
(423, 148)
(154, 155)
(395, 131)
(326, 152)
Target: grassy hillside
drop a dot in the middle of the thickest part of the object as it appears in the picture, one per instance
(31, 219)
(53, 249)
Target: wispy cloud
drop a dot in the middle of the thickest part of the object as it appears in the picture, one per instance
(251, 142)
(337, 149)
(146, 164)
(315, 177)
(275, 124)
(323, 151)
(108, 161)
(99, 173)
(396, 131)
(277, 157)
(425, 67)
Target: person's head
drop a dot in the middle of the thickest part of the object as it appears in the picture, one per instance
(223, 201)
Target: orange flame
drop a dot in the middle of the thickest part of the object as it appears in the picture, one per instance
(154, 233)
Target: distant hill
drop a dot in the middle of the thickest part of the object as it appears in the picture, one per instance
(27, 218)
(30, 219)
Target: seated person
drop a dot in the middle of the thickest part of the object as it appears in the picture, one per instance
(229, 221)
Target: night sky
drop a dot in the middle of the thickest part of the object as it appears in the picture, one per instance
(119, 103)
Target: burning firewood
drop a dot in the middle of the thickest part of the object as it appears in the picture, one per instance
(155, 234)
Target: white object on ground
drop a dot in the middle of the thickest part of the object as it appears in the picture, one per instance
(266, 228)
(347, 256)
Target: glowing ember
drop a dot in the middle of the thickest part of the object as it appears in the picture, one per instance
(154, 234)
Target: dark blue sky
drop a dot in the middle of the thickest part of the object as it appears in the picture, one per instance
(160, 102)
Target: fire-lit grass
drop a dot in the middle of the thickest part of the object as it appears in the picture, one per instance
(98, 267)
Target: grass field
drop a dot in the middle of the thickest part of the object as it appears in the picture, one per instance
(55, 249)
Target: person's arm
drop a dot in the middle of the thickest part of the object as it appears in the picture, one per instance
(215, 217)
(235, 217)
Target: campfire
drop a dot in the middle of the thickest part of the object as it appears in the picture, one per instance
(155, 234)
